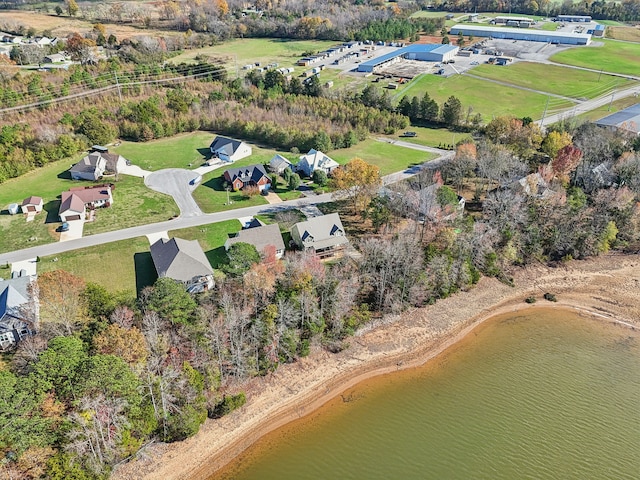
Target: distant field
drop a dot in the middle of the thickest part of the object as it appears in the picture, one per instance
(264, 50)
(557, 80)
(389, 158)
(134, 270)
(612, 57)
(612, 23)
(628, 34)
(485, 98)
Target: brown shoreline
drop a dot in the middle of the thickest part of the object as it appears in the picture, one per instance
(606, 287)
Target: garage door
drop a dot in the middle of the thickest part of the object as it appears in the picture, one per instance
(72, 217)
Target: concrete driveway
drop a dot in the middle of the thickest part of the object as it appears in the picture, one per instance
(75, 231)
(179, 183)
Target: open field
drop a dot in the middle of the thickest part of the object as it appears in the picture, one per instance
(431, 137)
(490, 100)
(134, 270)
(211, 238)
(264, 50)
(612, 57)
(603, 111)
(628, 34)
(389, 158)
(558, 80)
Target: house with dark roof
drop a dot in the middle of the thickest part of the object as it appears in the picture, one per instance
(278, 164)
(316, 160)
(183, 261)
(264, 238)
(228, 149)
(627, 119)
(18, 315)
(77, 200)
(97, 164)
(252, 175)
(32, 205)
(323, 235)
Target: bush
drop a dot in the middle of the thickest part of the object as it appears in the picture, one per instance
(228, 404)
(550, 297)
(530, 299)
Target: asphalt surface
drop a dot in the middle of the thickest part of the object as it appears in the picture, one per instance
(202, 219)
(179, 183)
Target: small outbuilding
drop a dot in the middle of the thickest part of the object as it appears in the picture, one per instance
(32, 205)
(13, 208)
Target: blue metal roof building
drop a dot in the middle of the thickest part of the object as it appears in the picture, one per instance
(565, 38)
(424, 52)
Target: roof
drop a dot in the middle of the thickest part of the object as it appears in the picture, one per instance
(519, 31)
(250, 173)
(13, 294)
(278, 160)
(32, 200)
(180, 259)
(89, 194)
(627, 119)
(72, 202)
(317, 160)
(323, 231)
(259, 237)
(88, 164)
(415, 48)
(225, 145)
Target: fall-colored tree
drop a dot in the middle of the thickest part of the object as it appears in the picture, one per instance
(358, 181)
(223, 7)
(62, 310)
(72, 8)
(99, 28)
(554, 142)
(128, 344)
(566, 162)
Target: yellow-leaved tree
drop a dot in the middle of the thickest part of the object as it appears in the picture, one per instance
(357, 181)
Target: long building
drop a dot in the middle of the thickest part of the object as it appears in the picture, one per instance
(567, 38)
(627, 119)
(574, 18)
(423, 52)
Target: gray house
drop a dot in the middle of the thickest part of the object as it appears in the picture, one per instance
(97, 164)
(260, 237)
(278, 164)
(183, 261)
(17, 320)
(228, 149)
(323, 235)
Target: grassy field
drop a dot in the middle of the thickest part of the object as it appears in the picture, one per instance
(389, 158)
(211, 238)
(134, 270)
(264, 50)
(603, 111)
(557, 80)
(481, 96)
(431, 137)
(628, 34)
(612, 57)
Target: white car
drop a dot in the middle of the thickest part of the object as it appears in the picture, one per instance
(475, 63)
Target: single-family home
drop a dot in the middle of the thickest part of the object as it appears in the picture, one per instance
(252, 175)
(183, 261)
(54, 58)
(228, 149)
(18, 315)
(264, 238)
(278, 164)
(97, 164)
(316, 160)
(32, 205)
(77, 200)
(323, 235)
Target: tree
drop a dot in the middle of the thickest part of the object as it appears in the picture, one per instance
(566, 162)
(452, 111)
(170, 300)
(428, 108)
(72, 7)
(312, 86)
(240, 257)
(62, 311)
(58, 10)
(358, 181)
(128, 344)
(320, 177)
(461, 41)
(294, 181)
(554, 142)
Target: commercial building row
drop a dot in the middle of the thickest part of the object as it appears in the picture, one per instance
(563, 38)
(423, 52)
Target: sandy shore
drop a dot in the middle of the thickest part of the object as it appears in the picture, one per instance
(607, 287)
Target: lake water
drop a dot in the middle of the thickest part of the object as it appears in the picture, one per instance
(545, 394)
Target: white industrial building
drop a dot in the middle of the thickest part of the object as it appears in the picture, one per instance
(564, 38)
(425, 52)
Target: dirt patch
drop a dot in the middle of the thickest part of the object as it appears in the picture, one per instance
(629, 34)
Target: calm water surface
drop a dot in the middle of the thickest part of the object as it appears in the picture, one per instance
(540, 395)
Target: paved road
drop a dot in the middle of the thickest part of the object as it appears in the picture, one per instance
(414, 170)
(179, 183)
(204, 219)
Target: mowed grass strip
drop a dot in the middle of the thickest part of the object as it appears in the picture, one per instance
(568, 82)
(487, 98)
(612, 56)
(389, 158)
(118, 266)
(211, 238)
(431, 137)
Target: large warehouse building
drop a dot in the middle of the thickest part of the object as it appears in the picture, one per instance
(627, 119)
(568, 38)
(426, 53)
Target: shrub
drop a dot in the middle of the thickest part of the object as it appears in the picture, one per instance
(550, 297)
(530, 299)
(227, 405)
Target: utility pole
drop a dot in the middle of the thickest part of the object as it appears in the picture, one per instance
(115, 74)
(544, 114)
(611, 102)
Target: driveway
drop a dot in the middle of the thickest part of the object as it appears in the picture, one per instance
(74, 232)
(179, 183)
(134, 171)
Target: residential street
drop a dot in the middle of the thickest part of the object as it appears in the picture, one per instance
(203, 219)
(179, 183)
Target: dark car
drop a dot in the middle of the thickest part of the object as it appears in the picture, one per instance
(64, 227)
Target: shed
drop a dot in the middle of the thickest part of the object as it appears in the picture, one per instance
(13, 208)
(32, 204)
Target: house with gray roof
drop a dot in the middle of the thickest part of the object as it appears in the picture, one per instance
(183, 261)
(278, 164)
(96, 165)
(228, 149)
(17, 318)
(323, 235)
(263, 238)
(249, 176)
(627, 119)
(316, 160)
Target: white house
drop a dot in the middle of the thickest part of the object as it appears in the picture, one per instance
(32, 205)
(315, 160)
(229, 150)
(278, 164)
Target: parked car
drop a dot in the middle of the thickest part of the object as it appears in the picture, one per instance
(64, 227)
(475, 63)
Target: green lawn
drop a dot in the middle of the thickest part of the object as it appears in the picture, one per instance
(488, 99)
(285, 52)
(431, 137)
(97, 264)
(211, 238)
(557, 80)
(389, 158)
(615, 57)
(172, 152)
(603, 111)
